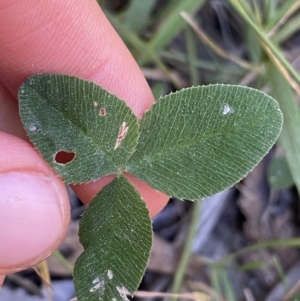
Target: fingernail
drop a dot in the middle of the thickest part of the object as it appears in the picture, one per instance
(32, 218)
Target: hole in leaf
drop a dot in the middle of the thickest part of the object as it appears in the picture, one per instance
(102, 112)
(64, 157)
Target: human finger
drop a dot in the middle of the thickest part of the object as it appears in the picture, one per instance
(34, 206)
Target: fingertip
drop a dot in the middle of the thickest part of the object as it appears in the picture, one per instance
(34, 206)
(32, 218)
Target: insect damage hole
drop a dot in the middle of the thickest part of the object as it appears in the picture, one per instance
(64, 157)
(123, 130)
(102, 112)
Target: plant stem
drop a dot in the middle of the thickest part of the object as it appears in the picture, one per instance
(138, 44)
(186, 254)
(264, 39)
(289, 137)
(191, 55)
(279, 243)
(63, 261)
(213, 46)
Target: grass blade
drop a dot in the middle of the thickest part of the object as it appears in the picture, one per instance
(142, 47)
(287, 8)
(138, 13)
(170, 27)
(289, 137)
(279, 243)
(269, 46)
(290, 28)
(186, 254)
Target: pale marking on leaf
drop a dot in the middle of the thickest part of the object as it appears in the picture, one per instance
(122, 134)
(102, 112)
(122, 291)
(32, 128)
(227, 109)
(110, 274)
(95, 103)
(97, 280)
(98, 285)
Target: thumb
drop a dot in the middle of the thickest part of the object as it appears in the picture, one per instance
(34, 206)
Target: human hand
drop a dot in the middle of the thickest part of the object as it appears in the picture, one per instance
(55, 36)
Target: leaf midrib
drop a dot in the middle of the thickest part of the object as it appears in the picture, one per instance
(154, 156)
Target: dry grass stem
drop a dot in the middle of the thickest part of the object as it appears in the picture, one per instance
(283, 20)
(200, 286)
(283, 71)
(206, 40)
(292, 291)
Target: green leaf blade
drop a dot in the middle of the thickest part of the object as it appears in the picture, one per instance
(66, 114)
(116, 234)
(201, 140)
(279, 174)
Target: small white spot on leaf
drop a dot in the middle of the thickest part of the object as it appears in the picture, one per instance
(98, 285)
(122, 291)
(110, 274)
(227, 109)
(97, 280)
(95, 103)
(123, 130)
(32, 128)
